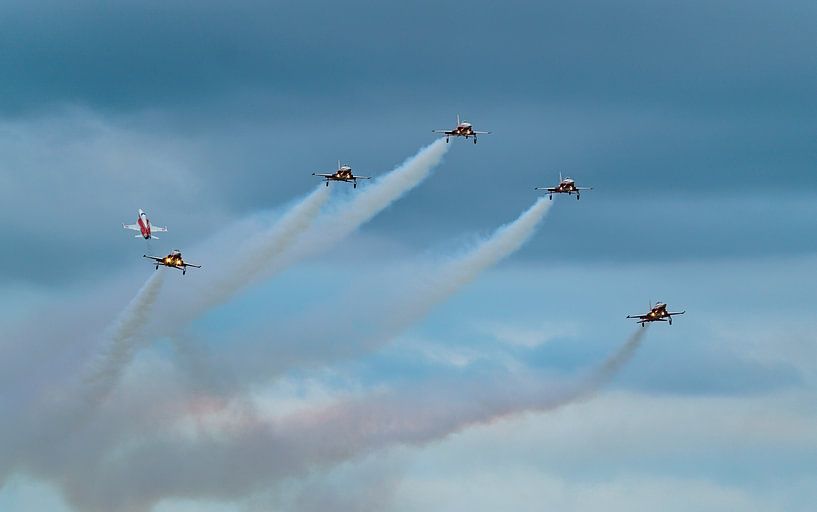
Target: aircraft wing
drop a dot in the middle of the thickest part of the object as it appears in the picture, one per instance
(678, 313)
(584, 188)
(640, 317)
(447, 132)
(160, 260)
(362, 177)
(191, 265)
(482, 133)
(134, 227)
(160, 230)
(323, 175)
(549, 189)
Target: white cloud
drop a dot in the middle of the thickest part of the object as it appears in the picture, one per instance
(625, 452)
(523, 490)
(527, 336)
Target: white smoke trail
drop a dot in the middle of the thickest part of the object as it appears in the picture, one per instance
(263, 250)
(349, 216)
(298, 234)
(605, 372)
(376, 319)
(261, 452)
(122, 338)
(461, 270)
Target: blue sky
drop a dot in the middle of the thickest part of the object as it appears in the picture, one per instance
(365, 373)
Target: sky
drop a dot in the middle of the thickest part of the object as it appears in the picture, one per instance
(440, 337)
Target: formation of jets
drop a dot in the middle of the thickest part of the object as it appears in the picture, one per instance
(657, 313)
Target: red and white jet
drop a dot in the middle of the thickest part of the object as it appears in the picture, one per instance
(143, 225)
(463, 129)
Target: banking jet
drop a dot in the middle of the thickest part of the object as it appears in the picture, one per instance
(172, 260)
(565, 186)
(143, 226)
(658, 313)
(344, 173)
(463, 129)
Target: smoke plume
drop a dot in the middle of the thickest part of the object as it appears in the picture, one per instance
(436, 286)
(348, 216)
(378, 317)
(262, 250)
(122, 338)
(260, 451)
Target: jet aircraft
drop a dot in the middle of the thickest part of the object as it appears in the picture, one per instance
(143, 225)
(658, 313)
(344, 173)
(565, 186)
(463, 129)
(172, 260)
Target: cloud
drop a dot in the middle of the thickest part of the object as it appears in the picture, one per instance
(526, 490)
(519, 336)
(127, 58)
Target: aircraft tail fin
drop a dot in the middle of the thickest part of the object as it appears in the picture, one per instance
(458, 119)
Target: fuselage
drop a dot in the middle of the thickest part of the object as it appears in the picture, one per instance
(144, 224)
(463, 129)
(174, 259)
(567, 185)
(343, 174)
(658, 311)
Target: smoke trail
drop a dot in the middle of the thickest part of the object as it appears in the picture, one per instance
(349, 216)
(260, 452)
(438, 409)
(605, 372)
(122, 338)
(292, 238)
(376, 318)
(263, 249)
(459, 271)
